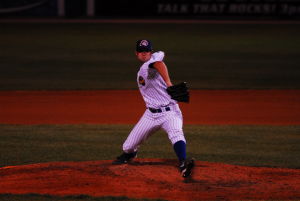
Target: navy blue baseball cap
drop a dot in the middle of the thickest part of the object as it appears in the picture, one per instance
(143, 46)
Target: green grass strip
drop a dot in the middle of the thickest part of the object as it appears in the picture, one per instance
(269, 146)
(101, 56)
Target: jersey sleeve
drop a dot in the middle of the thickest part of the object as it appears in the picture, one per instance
(158, 56)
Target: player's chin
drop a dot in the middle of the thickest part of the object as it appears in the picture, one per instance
(143, 59)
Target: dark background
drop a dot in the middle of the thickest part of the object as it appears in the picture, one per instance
(183, 9)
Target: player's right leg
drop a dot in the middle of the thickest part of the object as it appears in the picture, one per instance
(141, 131)
(124, 158)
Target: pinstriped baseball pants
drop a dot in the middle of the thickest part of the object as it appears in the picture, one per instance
(170, 121)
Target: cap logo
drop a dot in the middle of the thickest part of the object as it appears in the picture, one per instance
(144, 43)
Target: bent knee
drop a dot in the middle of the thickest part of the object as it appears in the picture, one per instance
(176, 135)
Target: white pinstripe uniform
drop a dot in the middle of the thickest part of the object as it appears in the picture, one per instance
(153, 89)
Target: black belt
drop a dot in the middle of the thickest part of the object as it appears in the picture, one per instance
(153, 110)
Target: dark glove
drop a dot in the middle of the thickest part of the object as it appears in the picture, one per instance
(179, 92)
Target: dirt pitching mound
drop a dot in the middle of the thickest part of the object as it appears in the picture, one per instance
(152, 178)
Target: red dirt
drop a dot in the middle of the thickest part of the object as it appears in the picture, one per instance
(269, 107)
(152, 178)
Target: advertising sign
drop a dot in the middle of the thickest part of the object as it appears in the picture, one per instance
(200, 8)
(194, 9)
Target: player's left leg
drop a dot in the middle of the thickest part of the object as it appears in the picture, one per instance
(173, 126)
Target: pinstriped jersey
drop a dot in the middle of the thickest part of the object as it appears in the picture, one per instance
(151, 85)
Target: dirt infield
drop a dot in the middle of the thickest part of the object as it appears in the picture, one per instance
(152, 178)
(252, 107)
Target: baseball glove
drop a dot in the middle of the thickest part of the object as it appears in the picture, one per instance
(179, 92)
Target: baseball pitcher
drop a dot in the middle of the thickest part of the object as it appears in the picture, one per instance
(162, 110)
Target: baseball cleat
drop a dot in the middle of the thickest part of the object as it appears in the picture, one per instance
(186, 167)
(124, 158)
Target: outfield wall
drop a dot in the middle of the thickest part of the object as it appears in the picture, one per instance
(182, 9)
